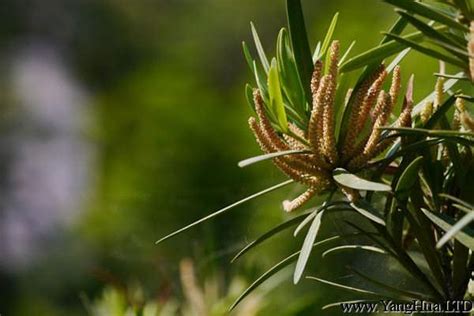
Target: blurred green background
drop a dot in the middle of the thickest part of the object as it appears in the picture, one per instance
(124, 120)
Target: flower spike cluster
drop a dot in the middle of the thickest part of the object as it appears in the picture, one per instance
(470, 50)
(462, 119)
(371, 109)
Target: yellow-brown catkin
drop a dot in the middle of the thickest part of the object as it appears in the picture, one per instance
(380, 121)
(351, 136)
(470, 50)
(316, 114)
(467, 121)
(329, 143)
(265, 144)
(315, 126)
(460, 104)
(396, 85)
(316, 78)
(267, 147)
(426, 112)
(378, 107)
(296, 130)
(369, 101)
(459, 108)
(291, 164)
(297, 140)
(290, 206)
(293, 142)
(274, 143)
(265, 122)
(333, 58)
(370, 149)
(404, 120)
(296, 168)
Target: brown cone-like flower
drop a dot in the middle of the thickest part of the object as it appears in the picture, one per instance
(313, 167)
(470, 50)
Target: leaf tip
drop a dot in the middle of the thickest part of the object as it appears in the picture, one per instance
(296, 278)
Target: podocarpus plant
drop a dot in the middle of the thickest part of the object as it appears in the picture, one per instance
(409, 174)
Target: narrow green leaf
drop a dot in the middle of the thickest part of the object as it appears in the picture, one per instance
(342, 286)
(348, 50)
(328, 206)
(276, 98)
(353, 247)
(446, 223)
(368, 211)
(379, 53)
(305, 222)
(371, 236)
(397, 28)
(457, 200)
(463, 208)
(450, 42)
(247, 55)
(299, 41)
(461, 271)
(460, 224)
(428, 30)
(468, 98)
(447, 85)
(307, 247)
(397, 59)
(458, 77)
(435, 138)
(427, 12)
(249, 96)
(427, 51)
(408, 149)
(290, 80)
(401, 294)
(252, 160)
(440, 112)
(316, 52)
(274, 269)
(251, 197)
(461, 53)
(428, 132)
(352, 181)
(277, 229)
(259, 47)
(269, 273)
(328, 38)
(261, 80)
(454, 156)
(408, 177)
(407, 180)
